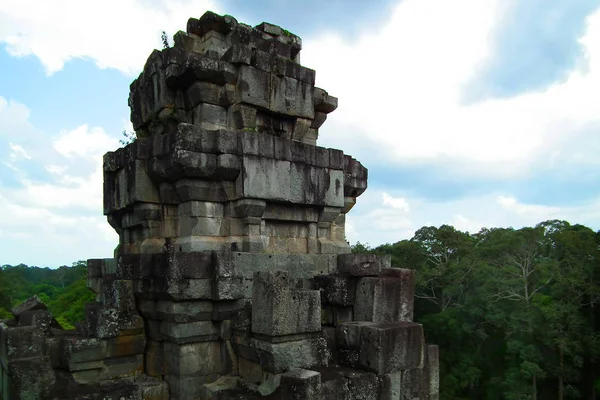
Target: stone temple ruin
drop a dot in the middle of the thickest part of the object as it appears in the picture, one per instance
(232, 278)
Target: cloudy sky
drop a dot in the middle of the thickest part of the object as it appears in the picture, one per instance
(475, 113)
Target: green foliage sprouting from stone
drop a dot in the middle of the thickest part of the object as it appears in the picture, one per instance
(165, 40)
(128, 138)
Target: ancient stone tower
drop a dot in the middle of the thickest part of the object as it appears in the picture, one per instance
(232, 278)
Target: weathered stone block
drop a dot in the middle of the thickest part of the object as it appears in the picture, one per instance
(300, 384)
(121, 367)
(238, 54)
(228, 167)
(253, 87)
(123, 346)
(200, 226)
(204, 92)
(31, 378)
(413, 384)
(200, 209)
(189, 332)
(184, 311)
(228, 289)
(31, 304)
(174, 289)
(40, 319)
(323, 102)
(348, 334)
(22, 342)
(82, 349)
(242, 117)
(183, 359)
(196, 165)
(280, 357)
(391, 386)
(101, 322)
(283, 310)
(432, 367)
(391, 347)
(344, 383)
(336, 290)
(383, 299)
(362, 264)
(183, 265)
(154, 359)
(191, 189)
(209, 116)
(291, 97)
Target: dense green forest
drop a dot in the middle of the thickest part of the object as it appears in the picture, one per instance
(64, 290)
(514, 311)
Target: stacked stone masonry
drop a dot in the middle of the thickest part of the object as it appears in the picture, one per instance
(232, 278)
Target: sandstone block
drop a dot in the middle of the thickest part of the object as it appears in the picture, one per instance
(22, 342)
(204, 92)
(184, 311)
(300, 384)
(323, 102)
(362, 264)
(228, 167)
(82, 349)
(336, 290)
(253, 87)
(280, 357)
(291, 97)
(348, 334)
(228, 289)
(31, 304)
(383, 299)
(183, 359)
(283, 310)
(121, 367)
(189, 332)
(238, 54)
(40, 319)
(31, 378)
(123, 346)
(196, 165)
(209, 116)
(154, 360)
(391, 347)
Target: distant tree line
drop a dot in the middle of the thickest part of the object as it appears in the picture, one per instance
(515, 311)
(64, 290)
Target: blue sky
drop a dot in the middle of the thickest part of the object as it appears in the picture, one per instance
(471, 112)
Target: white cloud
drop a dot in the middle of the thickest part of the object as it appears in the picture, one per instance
(401, 87)
(375, 221)
(114, 33)
(18, 152)
(399, 203)
(56, 219)
(84, 142)
(535, 211)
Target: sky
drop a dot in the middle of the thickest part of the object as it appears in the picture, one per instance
(474, 113)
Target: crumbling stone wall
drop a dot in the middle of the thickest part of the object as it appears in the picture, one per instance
(232, 278)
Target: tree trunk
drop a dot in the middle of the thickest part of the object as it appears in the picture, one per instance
(534, 387)
(593, 363)
(561, 389)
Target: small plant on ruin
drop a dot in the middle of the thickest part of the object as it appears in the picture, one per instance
(165, 40)
(128, 138)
